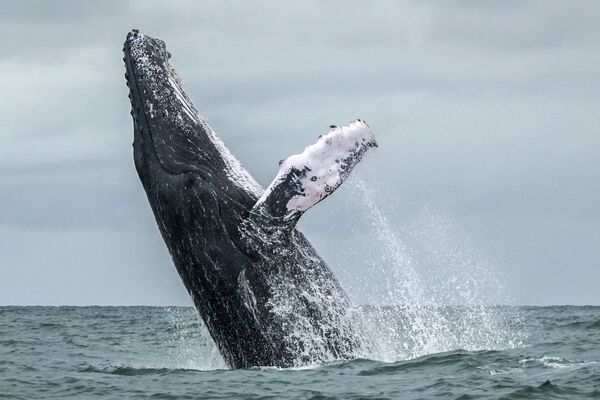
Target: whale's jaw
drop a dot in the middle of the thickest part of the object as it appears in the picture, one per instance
(169, 133)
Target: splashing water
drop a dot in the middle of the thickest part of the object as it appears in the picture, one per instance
(441, 294)
(451, 304)
(190, 344)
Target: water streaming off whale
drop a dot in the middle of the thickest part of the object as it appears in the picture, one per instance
(440, 294)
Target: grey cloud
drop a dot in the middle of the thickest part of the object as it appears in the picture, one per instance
(524, 26)
(486, 112)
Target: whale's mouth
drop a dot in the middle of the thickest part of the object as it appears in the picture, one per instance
(168, 128)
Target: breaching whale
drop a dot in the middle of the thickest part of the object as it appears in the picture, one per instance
(263, 292)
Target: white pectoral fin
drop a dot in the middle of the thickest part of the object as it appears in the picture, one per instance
(307, 178)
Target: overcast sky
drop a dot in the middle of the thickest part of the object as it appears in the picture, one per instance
(486, 113)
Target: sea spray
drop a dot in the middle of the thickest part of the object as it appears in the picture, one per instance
(442, 293)
(190, 345)
(439, 293)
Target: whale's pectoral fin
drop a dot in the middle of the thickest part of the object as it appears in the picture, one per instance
(307, 178)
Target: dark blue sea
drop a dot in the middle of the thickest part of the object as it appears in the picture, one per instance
(165, 353)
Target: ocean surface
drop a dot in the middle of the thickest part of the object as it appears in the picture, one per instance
(165, 353)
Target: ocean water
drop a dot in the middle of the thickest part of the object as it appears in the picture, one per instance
(165, 353)
(422, 348)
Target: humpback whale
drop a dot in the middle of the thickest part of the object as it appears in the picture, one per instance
(263, 292)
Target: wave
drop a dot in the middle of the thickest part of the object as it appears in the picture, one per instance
(594, 324)
(543, 391)
(134, 371)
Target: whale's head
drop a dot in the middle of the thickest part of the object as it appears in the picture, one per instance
(198, 191)
(170, 137)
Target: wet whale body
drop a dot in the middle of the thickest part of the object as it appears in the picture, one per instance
(265, 295)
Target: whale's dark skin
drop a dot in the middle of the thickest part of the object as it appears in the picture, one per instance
(265, 295)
